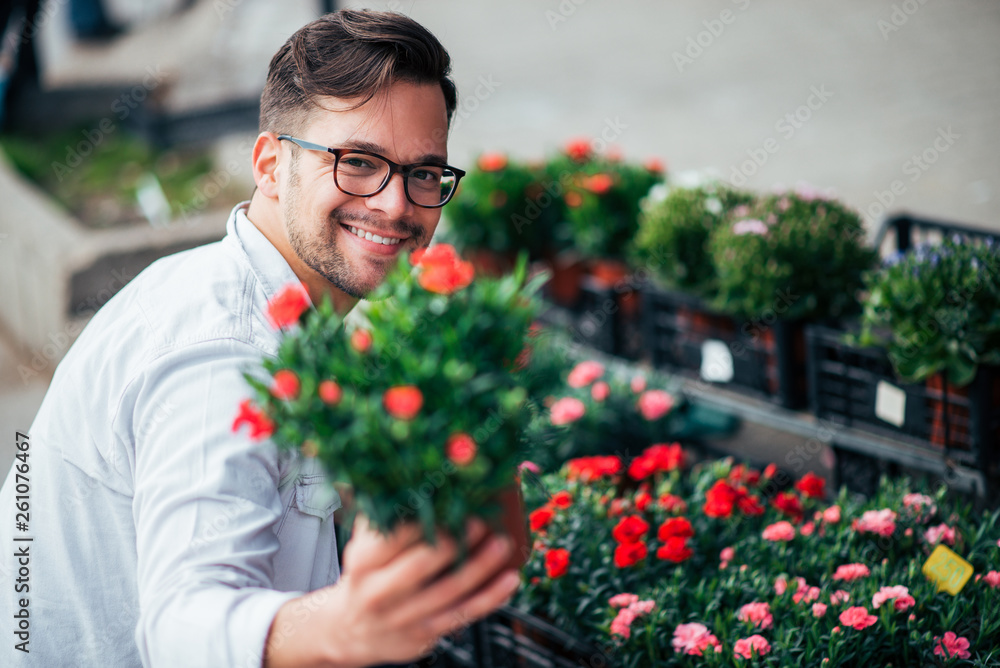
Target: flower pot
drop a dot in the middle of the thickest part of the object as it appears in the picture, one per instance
(513, 522)
(949, 408)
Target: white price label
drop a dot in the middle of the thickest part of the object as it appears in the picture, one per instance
(716, 362)
(890, 403)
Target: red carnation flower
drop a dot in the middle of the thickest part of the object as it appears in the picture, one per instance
(557, 562)
(589, 469)
(750, 505)
(643, 501)
(629, 554)
(789, 504)
(330, 392)
(630, 529)
(492, 162)
(361, 340)
(578, 149)
(403, 401)
(286, 385)
(719, 499)
(261, 425)
(811, 486)
(675, 527)
(539, 519)
(598, 183)
(284, 309)
(655, 165)
(674, 549)
(461, 449)
(442, 271)
(561, 499)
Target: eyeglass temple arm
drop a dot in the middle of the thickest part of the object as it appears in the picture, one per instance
(306, 144)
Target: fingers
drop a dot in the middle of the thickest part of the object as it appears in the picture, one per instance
(369, 550)
(498, 592)
(409, 573)
(482, 566)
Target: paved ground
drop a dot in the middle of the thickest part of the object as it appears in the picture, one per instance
(855, 96)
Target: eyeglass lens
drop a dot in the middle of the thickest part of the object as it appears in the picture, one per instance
(362, 174)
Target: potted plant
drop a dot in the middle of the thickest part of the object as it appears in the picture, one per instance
(420, 410)
(936, 311)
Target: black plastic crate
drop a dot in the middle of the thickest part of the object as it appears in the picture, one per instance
(845, 382)
(767, 359)
(592, 320)
(901, 232)
(518, 640)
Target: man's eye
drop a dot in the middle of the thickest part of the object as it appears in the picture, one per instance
(426, 175)
(357, 162)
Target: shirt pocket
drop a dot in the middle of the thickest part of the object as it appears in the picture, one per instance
(314, 495)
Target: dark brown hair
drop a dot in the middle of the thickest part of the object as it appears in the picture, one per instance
(350, 54)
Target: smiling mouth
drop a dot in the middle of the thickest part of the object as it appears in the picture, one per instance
(385, 241)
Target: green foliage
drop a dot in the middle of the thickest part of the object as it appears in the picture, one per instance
(458, 349)
(703, 590)
(674, 232)
(793, 255)
(936, 309)
(95, 175)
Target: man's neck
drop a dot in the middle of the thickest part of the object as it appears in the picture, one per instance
(265, 217)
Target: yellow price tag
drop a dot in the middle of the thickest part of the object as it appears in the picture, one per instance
(948, 570)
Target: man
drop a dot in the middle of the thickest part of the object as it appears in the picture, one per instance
(160, 536)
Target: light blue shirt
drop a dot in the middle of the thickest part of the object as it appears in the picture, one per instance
(162, 538)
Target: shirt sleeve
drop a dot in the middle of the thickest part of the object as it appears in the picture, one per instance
(205, 508)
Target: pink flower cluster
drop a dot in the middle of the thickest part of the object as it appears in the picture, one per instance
(952, 646)
(940, 533)
(851, 572)
(745, 647)
(898, 594)
(631, 608)
(920, 505)
(805, 593)
(779, 531)
(857, 617)
(759, 614)
(585, 373)
(694, 638)
(881, 522)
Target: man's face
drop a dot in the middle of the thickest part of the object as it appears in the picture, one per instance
(407, 125)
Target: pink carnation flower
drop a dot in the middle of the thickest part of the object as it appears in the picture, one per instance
(567, 410)
(807, 529)
(622, 623)
(757, 613)
(749, 226)
(851, 572)
(727, 554)
(745, 647)
(920, 505)
(898, 594)
(529, 466)
(638, 384)
(780, 586)
(941, 532)
(881, 522)
(585, 373)
(857, 617)
(832, 515)
(654, 404)
(806, 595)
(839, 596)
(693, 639)
(992, 579)
(779, 531)
(819, 609)
(622, 600)
(642, 607)
(951, 646)
(600, 391)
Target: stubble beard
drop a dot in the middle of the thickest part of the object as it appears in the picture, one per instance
(321, 252)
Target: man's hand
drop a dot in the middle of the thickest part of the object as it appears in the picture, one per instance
(396, 597)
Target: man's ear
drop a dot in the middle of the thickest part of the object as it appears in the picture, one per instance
(265, 160)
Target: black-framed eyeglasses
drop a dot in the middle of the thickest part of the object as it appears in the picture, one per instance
(363, 174)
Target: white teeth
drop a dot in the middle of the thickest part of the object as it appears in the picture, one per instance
(373, 237)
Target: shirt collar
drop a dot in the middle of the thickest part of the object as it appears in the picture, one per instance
(268, 265)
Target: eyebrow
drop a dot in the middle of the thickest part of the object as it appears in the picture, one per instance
(375, 148)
